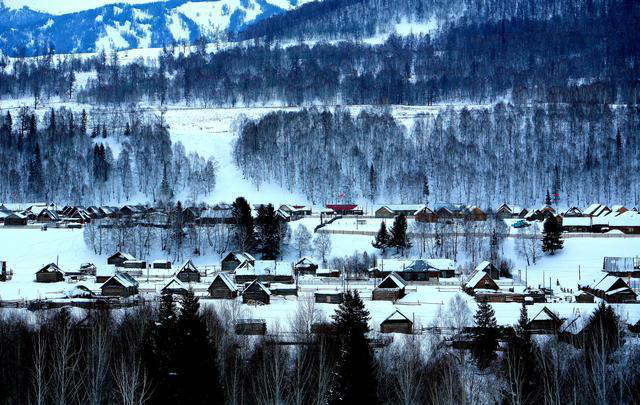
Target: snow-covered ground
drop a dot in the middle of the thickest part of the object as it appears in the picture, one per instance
(59, 7)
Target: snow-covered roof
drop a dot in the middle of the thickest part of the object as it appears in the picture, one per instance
(577, 221)
(397, 316)
(545, 314)
(326, 271)
(483, 265)
(125, 256)
(241, 256)
(188, 266)
(123, 279)
(590, 210)
(225, 279)
(618, 290)
(161, 261)
(404, 207)
(265, 267)
(475, 279)
(418, 265)
(51, 267)
(260, 285)
(397, 280)
(305, 261)
(606, 283)
(629, 218)
(621, 264)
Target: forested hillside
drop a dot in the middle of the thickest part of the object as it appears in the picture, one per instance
(68, 158)
(483, 156)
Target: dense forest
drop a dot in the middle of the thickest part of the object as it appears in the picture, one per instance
(180, 351)
(69, 157)
(481, 156)
(591, 59)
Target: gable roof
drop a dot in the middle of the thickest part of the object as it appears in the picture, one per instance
(397, 316)
(124, 279)
(125, 256)
(49, 268)
(608, 282)
(188, 267)
(621, 264)
(395, 279)
(546, 314)
(477, 278)
(342, 207)
(256, 284)
(225, 279)
(239, 256)
(305, 261)
(174, 283)
(483, 265)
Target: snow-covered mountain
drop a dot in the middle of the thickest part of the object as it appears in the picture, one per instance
(28, 27)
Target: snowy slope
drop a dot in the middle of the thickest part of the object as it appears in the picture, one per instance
(73, 28)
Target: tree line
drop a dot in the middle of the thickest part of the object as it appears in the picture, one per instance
(68, 157)
(481, 156)
(180, 351)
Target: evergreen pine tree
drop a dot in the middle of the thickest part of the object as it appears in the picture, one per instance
(164, 348)
(485, 336)
(355, 382)
(399, 238)
(166, 193)
(382, 238)
(552, 236)
(244, 233)
(425, 190)
(268, 232)
(373, 184)
(602, 330)
(197, 380)
(547, 199)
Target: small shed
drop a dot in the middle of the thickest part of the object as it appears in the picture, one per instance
(134, 264)
(256, 293)
(174, 286)
(392, 288)
(329, 297)
(251, 327)
(545, 321)
(104, 273)
(480, 281)
(120, 285)
(234, 259)
(161, 264)
(50, 273)
(489, 268)
(188, 273)
(584, 297)
(118, 258)
(305, 266)
(613, 290)
(222, 287)
(328, 273)
(397, 323)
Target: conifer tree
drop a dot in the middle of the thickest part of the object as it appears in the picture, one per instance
(552, 236)
(164, 347)
(355, 382)
(268, 232)
(244, 234)
(547, 199)
(373, 184)
(485, 337)
(382, 238)
(399, 238)
(520, 365)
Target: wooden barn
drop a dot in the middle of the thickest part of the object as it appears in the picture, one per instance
(188, 273)
(613, 290)
(222, 287)
(305, 266)
(120, 285)
(118, 259)
(234, 259)
(16, 219)
(480, 281)
(425, 214)
(489, 268)
(48, 216)
(511, 211)
(251, 327)
(50, 273)
(545, 321)
(397, 323)
(256, 293)
(329, 297)
(392, 288)
(174, 286)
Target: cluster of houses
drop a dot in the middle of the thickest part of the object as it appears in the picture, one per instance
(600, 218)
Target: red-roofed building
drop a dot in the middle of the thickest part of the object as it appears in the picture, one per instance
(345, 209)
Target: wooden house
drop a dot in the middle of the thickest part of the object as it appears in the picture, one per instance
(473, 213)
(234, 259)
(489, 268)
(294, 212)
(596, 210)
(613, 290)
(622, 266)
(118, 258)
(628, 222)
(16, 219)
(190, 214)
(265, 271)
(577, 224)
(414, 270)
(480, 281)
(104, 273)
(545, 321)
(174, 286)
(256, 293)
(392, 288)
(48, 216)
(392, 211)
(397, 323)
(120, 285)
(333, 273)
(425, 214)
(188, 273)
(251, 327)
(305, 266)
(583, 297)
(50, 273)
(134, 264)
(329, 297)
(222, 287)
(161, 264)
(511, 211)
